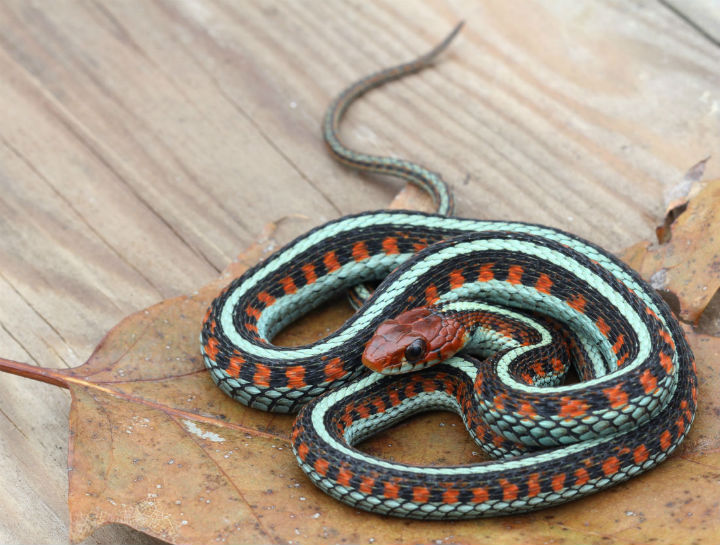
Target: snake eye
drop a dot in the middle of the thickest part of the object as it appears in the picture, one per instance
(415, 350)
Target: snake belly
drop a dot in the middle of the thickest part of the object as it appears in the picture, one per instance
(553, 443)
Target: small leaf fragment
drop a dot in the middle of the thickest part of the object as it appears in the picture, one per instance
(688, 266)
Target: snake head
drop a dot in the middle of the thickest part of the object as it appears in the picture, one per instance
(413, 340)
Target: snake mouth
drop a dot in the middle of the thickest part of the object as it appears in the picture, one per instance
(401, 369)
(380, 366)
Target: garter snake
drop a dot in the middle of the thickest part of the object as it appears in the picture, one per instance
(528, 300)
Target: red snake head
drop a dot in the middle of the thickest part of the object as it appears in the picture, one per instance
(413, 340)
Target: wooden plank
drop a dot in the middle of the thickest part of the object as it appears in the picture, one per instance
(702, 16)
(143, 145)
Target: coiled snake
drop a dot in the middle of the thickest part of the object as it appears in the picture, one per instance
(488, 316)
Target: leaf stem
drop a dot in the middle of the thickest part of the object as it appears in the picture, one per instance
(59, 378)
(41, 374)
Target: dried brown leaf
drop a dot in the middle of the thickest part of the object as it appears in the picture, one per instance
(686, 270)
(156, 446)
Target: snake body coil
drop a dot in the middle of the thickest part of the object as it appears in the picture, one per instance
(551, 442)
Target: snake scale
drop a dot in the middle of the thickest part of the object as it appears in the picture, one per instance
(483, 318)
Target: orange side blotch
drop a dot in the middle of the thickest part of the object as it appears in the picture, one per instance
(391, 491)
(611, 466)
(450, 496)
(262, 375)
(331, 262)
(389, 246)
(456, 279)
(665, 440)
(431, 294)
(602, 326)
(558, 482)
(510, 490)
(486, 274)
(265, 297)
(309, 271)
(428, 385)
(288, 285)
(617, 396)
(680, 424)
(533, 485)
(666, 362)
(499, 441)
(515, 274)
(379, 405)
(577, 302)
(648, 381)
(499, 401)
(360, 251)
(344, 476)
(581, 476)
(334, 370)
(418, 246)
(234, 367)
(572, 408)
(321, 466)
(394, 397)
(640, 454)
(667, 338)
(296, 376)
(618, 343)
(410, 390)
(252, 312)
(212, 348)
(303, 450)
(526, 409)
(543, 283)
(421, 494)
(539, 369)
(480, 495)
(366, 485)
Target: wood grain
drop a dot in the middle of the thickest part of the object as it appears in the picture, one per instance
(143, 145)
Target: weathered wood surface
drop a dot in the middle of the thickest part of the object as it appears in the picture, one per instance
(144, 144)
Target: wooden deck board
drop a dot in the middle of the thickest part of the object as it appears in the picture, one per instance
(143, 145)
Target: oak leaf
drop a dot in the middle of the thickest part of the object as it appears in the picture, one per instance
(156, 446)
(684, 265)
